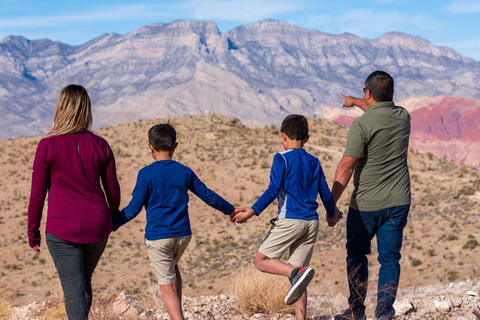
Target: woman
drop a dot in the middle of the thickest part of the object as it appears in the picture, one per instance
(69, 163)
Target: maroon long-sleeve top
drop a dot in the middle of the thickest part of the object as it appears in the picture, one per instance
(70, 168)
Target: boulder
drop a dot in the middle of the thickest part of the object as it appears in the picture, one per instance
(442, 305)
(126, 305)
(403, 307)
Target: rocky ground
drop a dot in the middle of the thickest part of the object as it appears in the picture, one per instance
(454, 301)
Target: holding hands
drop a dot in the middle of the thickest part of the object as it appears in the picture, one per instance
(241, 216)
(333, 221)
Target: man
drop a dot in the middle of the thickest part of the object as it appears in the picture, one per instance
(376, 152)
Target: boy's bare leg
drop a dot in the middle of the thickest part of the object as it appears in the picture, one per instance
(274, 266)
(301, 307)
(171, 301)
(179, 285)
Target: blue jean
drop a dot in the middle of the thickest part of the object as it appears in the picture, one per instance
(362, 226)
(75, 263)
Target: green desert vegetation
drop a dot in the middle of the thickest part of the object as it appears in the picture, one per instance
(234, 160)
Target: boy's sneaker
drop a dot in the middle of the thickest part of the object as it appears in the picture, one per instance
(349, 315)
(301, 277)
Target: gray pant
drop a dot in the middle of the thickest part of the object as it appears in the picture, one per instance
(75, 263)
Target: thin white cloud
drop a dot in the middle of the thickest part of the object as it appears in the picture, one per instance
(469, 48)
(464, 6)
(103, 13)
(242, 10)
(470, 44)
(235, 11)
(359, 22)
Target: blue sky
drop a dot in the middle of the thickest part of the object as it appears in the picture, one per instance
(453, 23)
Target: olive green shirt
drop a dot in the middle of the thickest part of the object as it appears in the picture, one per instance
(379, 140)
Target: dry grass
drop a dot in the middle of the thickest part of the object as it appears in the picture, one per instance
(4, 304)
(55, 304)
(257, 292)
(156, 295)
(101, 310)
(56, 312)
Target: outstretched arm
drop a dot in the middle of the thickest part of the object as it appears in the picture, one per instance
(140, 196)
(210, 197)
(352, 101)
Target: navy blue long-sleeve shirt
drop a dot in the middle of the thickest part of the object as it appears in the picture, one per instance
(162, 187)
(296, 178)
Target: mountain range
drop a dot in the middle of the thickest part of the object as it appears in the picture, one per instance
(258, 72)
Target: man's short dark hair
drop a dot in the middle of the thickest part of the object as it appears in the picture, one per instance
(295, 126)
(380, 85)
(162, 137)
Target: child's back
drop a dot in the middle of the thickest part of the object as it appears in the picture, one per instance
(296, 178)
(162, 187)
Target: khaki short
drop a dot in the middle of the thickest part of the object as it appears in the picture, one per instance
(164, 255)
(298, 236)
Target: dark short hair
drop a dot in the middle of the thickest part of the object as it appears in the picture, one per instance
(295, 126)
(162, 137)
(380, 85)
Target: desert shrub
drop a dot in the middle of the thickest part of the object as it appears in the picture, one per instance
(257, 292)
(470, 244)
(415, 262)
(468, 191)
(451, 237)
(452, 275)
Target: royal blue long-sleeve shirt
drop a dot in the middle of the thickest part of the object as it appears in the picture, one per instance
(162, 187)
(296, 179)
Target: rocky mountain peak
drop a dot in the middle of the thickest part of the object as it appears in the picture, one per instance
(15, 39)
(417, 44)
(177, 28)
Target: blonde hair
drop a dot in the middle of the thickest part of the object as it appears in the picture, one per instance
(73, 112)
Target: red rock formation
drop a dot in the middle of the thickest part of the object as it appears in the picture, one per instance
(448, 127)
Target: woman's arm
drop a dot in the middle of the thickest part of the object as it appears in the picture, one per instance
(110, 183)
(40, 186)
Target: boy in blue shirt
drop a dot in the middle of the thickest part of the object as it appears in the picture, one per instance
(296, 178)
(162, 187)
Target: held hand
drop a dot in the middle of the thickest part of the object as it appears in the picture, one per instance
(234, 214)
(349, 101)
(243, 216)
(333, 221)
(36, 249)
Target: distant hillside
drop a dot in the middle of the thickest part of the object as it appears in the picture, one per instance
(441, 240)
(257, 72)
